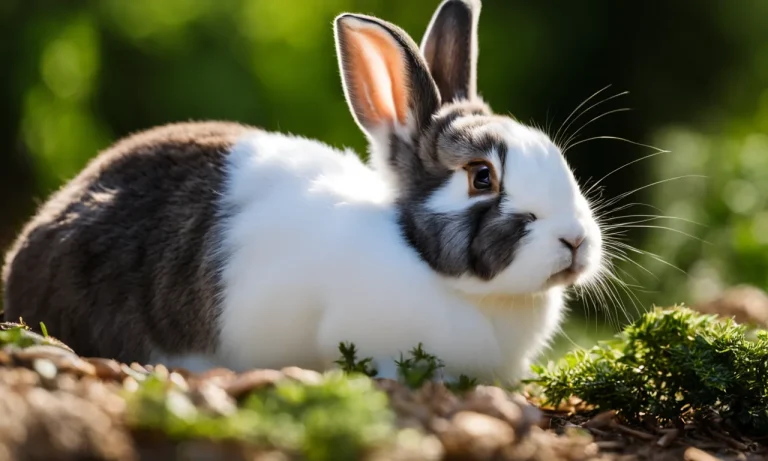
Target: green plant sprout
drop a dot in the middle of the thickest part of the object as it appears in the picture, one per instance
(350, 364)
(413, 372)
(418, 369)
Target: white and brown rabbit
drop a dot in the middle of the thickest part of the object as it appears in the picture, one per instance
(218, 244)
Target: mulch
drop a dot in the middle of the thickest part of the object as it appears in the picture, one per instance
(55, 405)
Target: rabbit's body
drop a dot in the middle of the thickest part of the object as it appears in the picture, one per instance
(216, 244)
(256, 287)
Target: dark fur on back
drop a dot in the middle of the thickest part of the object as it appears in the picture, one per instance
(122, 260)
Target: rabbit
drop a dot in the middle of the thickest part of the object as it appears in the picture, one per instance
(210, 244)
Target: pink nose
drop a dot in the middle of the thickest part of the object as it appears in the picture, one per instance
(573, 243)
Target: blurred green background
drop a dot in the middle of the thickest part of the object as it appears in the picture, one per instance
(77, 75)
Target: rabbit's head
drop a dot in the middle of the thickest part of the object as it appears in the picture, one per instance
(489, 203)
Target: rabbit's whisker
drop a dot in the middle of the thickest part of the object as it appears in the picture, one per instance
(568, 141)
(557, 133)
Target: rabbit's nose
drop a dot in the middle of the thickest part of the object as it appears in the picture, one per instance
(572, 243)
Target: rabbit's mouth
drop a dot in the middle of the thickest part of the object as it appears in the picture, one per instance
(568, 276)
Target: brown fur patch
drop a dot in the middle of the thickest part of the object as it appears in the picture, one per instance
(121, 260)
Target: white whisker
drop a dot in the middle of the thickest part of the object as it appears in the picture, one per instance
(626, 194)
(573, 136)
(565, 128)
(555, 137)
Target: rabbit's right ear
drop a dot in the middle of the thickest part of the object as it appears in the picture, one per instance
(386, 81)
(450, 48)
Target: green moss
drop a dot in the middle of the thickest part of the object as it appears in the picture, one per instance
(670, 363)
(338, 419)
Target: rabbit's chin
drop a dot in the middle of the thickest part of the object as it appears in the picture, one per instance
(568, 277)
(474, 287)
(517, 281)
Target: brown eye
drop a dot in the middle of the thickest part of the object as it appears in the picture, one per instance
(482, 178)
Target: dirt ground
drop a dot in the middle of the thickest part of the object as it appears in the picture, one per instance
(55, 405)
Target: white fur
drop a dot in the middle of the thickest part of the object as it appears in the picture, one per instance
(317, 258)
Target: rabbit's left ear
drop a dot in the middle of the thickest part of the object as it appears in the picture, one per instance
(449, 47)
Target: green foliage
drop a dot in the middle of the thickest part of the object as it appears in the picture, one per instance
(726, 241)
(337, 419)
(671, 363)
(15, 335)
(420, 368)
(20, 335)
(464, 384)
(350, 364)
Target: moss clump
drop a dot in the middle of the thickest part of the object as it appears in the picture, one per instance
(672, 364)
(338, 419)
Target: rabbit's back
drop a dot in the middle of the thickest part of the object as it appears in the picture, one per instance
(126, 252)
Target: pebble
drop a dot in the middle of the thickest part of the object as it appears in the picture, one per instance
(473, 434)
(303, 376)
(213, 399)
(179, 381)
(45, 368)
(106, 369)
(252, 380)
(130, 372)
(161, 371)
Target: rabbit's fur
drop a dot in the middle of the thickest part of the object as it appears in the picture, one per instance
(216, 244)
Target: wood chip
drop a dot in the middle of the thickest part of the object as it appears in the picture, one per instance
(694, 454)
(601, 420)
(635, 433)
(667, 439)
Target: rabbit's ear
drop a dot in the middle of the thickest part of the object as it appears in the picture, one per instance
(386, 81)
(450, 48)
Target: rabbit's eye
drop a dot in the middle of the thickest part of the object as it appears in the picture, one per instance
(482, 178)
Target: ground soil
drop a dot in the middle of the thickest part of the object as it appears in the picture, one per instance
(55, 405)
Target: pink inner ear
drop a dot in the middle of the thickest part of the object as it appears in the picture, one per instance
(377, 74)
